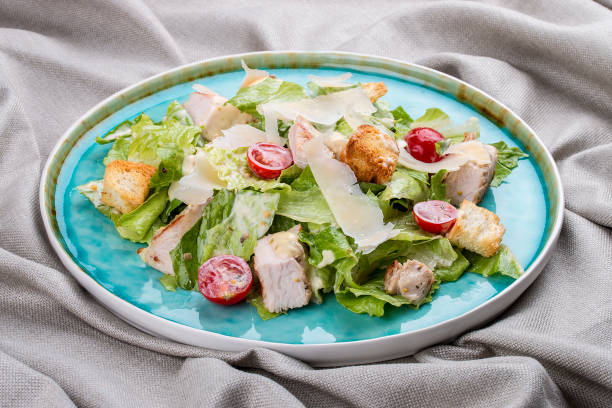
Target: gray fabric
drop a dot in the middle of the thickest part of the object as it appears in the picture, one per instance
(549, 63)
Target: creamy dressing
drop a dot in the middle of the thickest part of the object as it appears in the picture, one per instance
(286, 244)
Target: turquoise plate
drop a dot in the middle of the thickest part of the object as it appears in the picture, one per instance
(529, 204)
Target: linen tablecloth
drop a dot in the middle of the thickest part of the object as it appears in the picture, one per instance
(551, 62)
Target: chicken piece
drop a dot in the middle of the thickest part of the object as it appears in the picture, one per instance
(374, 90)
(303, 131)
(209, 109)
(476, 229)
(157, 254)
(371, 154)
(411, 280)
(472, 180)
(299, 133)
(280, 265)
(126, 184)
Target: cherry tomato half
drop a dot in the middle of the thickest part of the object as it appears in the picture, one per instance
(225, 279)
(268, 160)
(422, 144)
(435, 216)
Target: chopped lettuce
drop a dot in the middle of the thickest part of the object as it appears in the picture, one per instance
(503, 262)
(406, 184)
(402, 122)
(305, 202)
(454, 271)
(219, 208)
(343, 127)
(362, 304)
(136, 224)
(409, 229)
(176, 112)
(168, 282)
(438, 187)
(122, 130)
(119, 151)
(507, 159)
(251, 216)
(233, 168)
(432, 118)
(329, 251)
(281, 223)
(93, 191)
(269, 90)
(184, 257)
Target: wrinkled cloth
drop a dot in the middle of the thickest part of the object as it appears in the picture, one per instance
(550, 62)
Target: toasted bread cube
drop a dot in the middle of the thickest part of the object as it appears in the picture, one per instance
(371, 154)
(476, 229)
(126, 184)
(374, 90)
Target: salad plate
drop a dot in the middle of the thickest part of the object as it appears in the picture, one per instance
(529, 203)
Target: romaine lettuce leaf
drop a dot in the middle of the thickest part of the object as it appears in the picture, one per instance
(507, 159)
(432, 118)
(503, 262)
(251, 216)
(184, 257)
(453, 272)
(269, 90)
(177, 113)
(136, 224)
(407, 184)
(219, 208)
(93, 191)
(124, 129)
(119, 151)
(343, 127)
(402, 122)
(361, 304)
(168, 282)
(233, 168)
(437, 190)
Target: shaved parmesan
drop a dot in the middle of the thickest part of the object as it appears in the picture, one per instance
(359, 216)
(331, 82)
(324, 109)
(271, 119)
(239, 136)
(198, 183)
(252, 76)
(457, 155)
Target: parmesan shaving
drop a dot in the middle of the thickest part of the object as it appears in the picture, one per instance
(198, 183)
(324, 109)
(457, 155)
(252, 76)
(271, 119)
(239, 136)
(359, 216)
(331, 82)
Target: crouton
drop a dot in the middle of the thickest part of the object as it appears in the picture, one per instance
(411, 280)
(126, 184)
(476, 229)
(371, 154)
(374, 90)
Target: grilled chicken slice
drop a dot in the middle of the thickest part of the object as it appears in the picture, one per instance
(280, 265)
(209, 109)
(411, 280)
(165, 239)
(303, 131)
(472, 180)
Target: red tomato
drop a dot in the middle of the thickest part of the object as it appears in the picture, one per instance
(422, 144)
(435, 216)
(225, 279)
(267, 160)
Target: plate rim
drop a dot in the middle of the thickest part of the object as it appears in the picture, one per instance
(324, 354)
